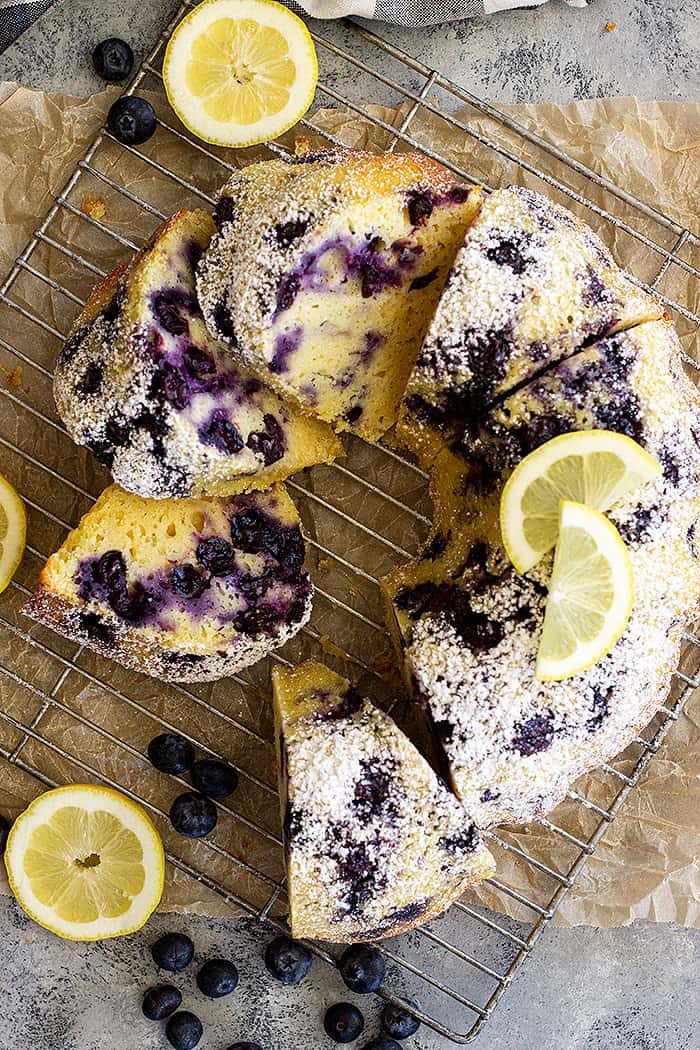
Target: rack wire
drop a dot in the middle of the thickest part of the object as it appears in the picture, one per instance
(51, 723)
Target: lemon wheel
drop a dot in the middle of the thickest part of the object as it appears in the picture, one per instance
(590, 594)
(240, 72)
(13, 532)
(86, 863)
(595, 467)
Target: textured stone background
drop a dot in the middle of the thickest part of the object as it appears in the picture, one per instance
(582, 989)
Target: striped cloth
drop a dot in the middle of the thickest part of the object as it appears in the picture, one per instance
(18, 15)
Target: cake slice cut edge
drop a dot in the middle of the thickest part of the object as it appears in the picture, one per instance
(160, 403)
(183, 590)
(375, 842)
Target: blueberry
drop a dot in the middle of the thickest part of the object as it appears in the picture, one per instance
(268, 443)
(245, 1046)
(214, 778)
(161, 1002)
(343, 1022)
(216, 555)
(287, 232)
(362, 968)
(131, 120)
(198, 362)
(288, 961)
(170, 385)
(4, 832)
(193, 815)
(288, 288)
(184, 1030)
(171, 753)
(91, 382)
(224, 211)
(382, 1044)
(399, 1023)
(420, 207)
(173, 952)
(217, 978)
(92, 624)
(188, 582)
(113, 59)
(221, 433)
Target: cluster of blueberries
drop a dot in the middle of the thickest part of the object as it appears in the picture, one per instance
(132, 120)
(361, 967)
(216, 978)
(193, 813)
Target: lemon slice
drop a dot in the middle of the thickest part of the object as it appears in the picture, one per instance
(86, 863)
(595, 467)
(238, 72)
(13, 532)
(590, 594)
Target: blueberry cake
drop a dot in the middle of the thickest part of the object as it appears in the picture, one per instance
(142, 384)
(326, 271)
(184, 590)
(530, 285)
(375, 842)
(513, 745)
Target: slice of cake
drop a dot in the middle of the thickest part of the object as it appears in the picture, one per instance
(531, 285)
(152, 395)
(514, 745)
(184, 590)
(326, 271)
(375, 842)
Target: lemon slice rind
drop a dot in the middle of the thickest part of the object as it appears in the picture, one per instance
(590, 557)
(564, 468)
(90, 799)
(287, 79)
(14, 525)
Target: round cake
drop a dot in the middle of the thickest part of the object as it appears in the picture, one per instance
(513, 745)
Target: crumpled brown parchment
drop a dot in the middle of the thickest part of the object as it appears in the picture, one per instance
(646, 864)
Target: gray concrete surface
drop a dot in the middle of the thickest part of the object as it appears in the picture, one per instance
(582, 989)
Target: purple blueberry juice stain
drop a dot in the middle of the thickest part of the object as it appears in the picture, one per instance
(285, 345)
(360, 258)
(534, 735)
(221, 433)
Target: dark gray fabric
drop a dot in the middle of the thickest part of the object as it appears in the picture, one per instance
(15, 18)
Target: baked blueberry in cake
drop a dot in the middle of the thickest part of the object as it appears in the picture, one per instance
(142, 384)
(375, 842)
(530, 285)
(514, 745)
(184, 590)
(325, 273)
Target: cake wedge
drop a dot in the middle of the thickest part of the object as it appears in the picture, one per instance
(375, 842)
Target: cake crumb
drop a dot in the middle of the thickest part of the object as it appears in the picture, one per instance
(95, 207)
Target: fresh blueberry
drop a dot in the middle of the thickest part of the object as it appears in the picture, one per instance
(343, 1022)
(216, 555)
(193, 815)
(4, 832)
(171, 753)
(399, 1023)
(382, 1044)
(131, 120)
(184, 1030)
(245, 1046)
(113, 59)
(288, 961)
(217, 978)
(362, 968)
(173, 952)
(161, 1002)
(214, 777)
(188, 582)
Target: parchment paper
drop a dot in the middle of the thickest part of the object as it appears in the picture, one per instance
(646, 865)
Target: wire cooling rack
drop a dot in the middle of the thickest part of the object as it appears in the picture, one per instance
(58, 696)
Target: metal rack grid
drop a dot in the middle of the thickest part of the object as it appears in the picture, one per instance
(458, 967)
